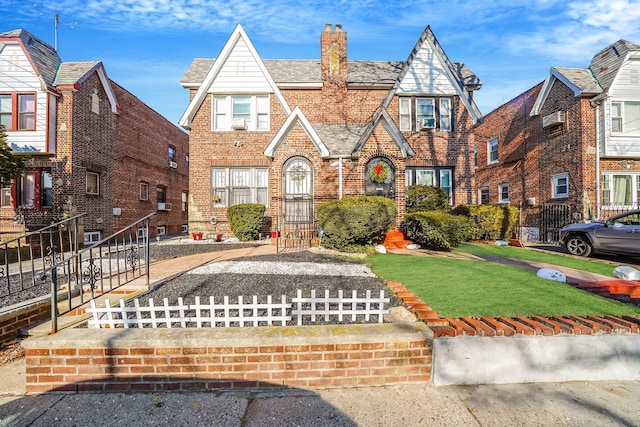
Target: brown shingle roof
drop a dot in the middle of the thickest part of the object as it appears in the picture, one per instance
(582, 78)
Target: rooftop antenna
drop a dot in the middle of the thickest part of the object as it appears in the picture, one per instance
(55, 31)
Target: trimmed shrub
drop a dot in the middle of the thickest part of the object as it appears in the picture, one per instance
(245, 220)
(422, 198)
(355, 223)
(492, 221)
(438, 230)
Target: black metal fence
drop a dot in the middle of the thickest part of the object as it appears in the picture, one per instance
(294, 235)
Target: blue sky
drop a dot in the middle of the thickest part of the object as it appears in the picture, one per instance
(147, 45)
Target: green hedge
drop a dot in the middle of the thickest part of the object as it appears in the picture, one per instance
(354, 223)
(422, 198)
(438, 230)
(245, 220)
(492, 221)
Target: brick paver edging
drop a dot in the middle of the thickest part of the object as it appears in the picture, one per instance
(509, 326)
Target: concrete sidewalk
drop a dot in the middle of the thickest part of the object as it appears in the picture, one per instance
(548, 404)
(558, 404)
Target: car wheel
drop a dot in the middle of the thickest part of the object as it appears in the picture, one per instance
(579, 245)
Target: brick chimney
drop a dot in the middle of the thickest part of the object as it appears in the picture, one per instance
(333, 46)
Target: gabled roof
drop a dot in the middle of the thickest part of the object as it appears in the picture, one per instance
(201, 93)
(71, 75)
(306, 72)
(294, 118)
(44, 58)
(459, 76)
(606, 63)
(382, 117)
(595, 80)
(56, 74)
(580, 80)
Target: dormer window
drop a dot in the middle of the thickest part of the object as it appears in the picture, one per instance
(241, 113)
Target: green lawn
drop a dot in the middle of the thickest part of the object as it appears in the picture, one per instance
(455, 288)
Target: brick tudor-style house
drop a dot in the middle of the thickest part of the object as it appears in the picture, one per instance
(291, 134)
(94, 147)
(567, 149)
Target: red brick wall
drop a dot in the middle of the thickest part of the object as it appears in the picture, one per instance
(141, 145)
(77, 360)
(12, 322)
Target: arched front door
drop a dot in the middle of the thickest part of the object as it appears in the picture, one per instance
(380, 178)
(298, 191)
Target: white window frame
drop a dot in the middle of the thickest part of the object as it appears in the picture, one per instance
(184, 228)
(608, 190)
(481, 191)
(404, 105)
(447, 175)
(492, 151)
(422, 111)
(91, 237)
(5, 197)
(91, 190)
(144, 191)
(555, 182)
(501, 193)
(185, 201)
(161, 230)
(619, 120)
(445, 114)
(254, 181)
(258, 117)
(431, 176)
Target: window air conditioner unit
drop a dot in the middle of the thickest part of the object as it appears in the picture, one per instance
(239, 124)
(173, 165)
(164, 206)
(428, 123)
(553, 119)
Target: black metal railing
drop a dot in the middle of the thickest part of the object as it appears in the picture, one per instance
(98, 269)
(24, 257)
(294, 235)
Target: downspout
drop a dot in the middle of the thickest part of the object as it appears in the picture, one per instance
(340, 178)
(598, 192)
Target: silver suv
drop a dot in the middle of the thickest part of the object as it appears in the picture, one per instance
(619, 234)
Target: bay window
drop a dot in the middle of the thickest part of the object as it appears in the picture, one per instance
(232, 186)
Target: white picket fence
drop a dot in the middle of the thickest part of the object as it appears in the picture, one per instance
(228, 314)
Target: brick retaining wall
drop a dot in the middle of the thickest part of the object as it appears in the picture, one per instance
(200, 359)
(13, 320)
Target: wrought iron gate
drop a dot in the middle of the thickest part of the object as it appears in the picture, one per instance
(552, 218)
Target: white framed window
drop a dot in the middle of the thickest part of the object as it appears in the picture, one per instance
(430, 113)
(492, 151)
(241, 112)
(445, 114)
(142, 233)
(560, 183)
(93, 183)
(184, 201)
(620, 190)
(232, 186)
(144, 191)
(625, 117)
(483, 195)
(5, 197)
(425, 113)
(405, 113)
(184, 228)
(434, 177)
(162, 230)
(503, 191)
(91, 237)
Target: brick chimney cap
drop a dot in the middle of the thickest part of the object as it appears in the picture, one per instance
(338, 28)
(327, 27)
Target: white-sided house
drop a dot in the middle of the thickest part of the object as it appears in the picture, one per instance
(597, 109)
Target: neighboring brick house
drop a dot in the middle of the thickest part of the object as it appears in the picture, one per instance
(291, 134)
(567, 149)
(91, 146)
